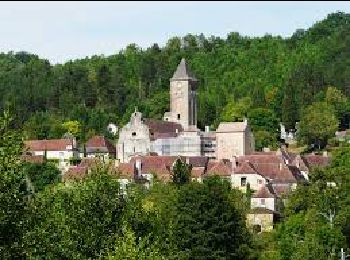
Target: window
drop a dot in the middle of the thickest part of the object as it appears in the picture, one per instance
(256, 229)
(262, 201)
(133, 133)
(178, 116)
(243, 181)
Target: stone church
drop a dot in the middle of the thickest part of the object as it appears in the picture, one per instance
(177, 134)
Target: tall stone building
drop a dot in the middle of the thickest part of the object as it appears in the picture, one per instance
(183, 97)
(177, 134)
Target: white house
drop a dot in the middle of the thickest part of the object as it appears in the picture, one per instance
(59, 150)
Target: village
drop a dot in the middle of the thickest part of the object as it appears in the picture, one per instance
(147, 149)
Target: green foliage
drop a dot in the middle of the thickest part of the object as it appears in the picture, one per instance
(283, 75)
(181, 173)
(42, 174)
(72, 127)
(318, 123)
(13, 193)
(265, 139)
(75, 221)
(207, 223)
(129, 247)
(341, 105)
(236, 111)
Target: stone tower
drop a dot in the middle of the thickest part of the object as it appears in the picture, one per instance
(183, 97)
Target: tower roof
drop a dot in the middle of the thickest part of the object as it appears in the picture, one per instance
(183, 72)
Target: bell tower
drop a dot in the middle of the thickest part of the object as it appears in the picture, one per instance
(183, 97)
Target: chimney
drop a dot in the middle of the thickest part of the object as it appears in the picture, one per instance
(138, 166)
(187, 160)
(325, 153)
(297, 161)
(207, 129)
(281, 166)
(278, 152)
(266, 149)
(234, 162)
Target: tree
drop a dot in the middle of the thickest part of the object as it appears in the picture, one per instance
(262, 119)
(318, 123)
(13, 193)
(128, 246)
(340, 103)
(236, 111)
(181, 172)
(78, 220)
(42, 174)
(207, 224)
(73, 127)
(265, 139)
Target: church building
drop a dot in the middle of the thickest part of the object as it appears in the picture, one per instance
(177, 134)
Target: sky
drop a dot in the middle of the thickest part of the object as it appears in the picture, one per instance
(60, 31)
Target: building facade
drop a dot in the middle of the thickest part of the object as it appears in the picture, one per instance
(177, 134)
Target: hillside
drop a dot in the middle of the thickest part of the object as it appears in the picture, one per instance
(283, 75)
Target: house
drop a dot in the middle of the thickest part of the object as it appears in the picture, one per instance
(60, 151)
(233, 139)
(245, 175)
(100, 147)
(264, 211)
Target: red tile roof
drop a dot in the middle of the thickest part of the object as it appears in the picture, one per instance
(316, 160)
(75, 173)
(245, 168)
(126, 170)
(264, 192)
(261, 210)
(281, 190)
(260, 158)
(101, 144)
(197, 172)
(162, 129)
(33, 158)
(220, 168)
(48, 145)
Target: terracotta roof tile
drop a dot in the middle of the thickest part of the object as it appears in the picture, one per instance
(49, 145)
(75, 173)
(220, 168)
(126, 170)
(316, 160)
(162, 129)
(281, 190)
(33, 158)
(245, 168)
(100, 143)
(261, 158)
(264, 192)
(197, 172)
(261, 210)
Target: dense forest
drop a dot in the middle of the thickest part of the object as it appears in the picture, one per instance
(278, 76)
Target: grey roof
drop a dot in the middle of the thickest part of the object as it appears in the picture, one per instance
(183, 72)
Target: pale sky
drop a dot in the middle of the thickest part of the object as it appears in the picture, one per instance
(60, 31)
